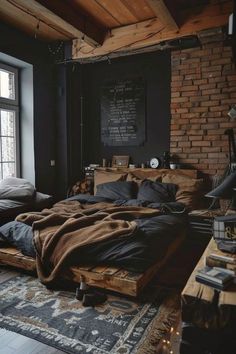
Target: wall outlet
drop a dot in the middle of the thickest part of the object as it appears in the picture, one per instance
(52, 162)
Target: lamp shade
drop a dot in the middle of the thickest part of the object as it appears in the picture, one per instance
(225, 189)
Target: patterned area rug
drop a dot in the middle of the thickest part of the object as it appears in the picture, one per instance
(120, 325)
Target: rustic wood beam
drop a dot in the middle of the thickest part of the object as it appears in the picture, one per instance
(163, 14)
(151, 32)
(95, 34)
(61, 16)
(13, 13)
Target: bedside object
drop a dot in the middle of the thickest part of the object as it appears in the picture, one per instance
(200, 222)
(173, 166)
(224, 190)
(166, 159)
(120, 161)
(155, 162)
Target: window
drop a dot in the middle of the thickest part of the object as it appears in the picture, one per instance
(9, 114)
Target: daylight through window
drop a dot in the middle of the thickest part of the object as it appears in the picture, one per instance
(9, 111)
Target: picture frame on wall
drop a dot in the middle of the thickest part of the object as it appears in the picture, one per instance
(120, 161)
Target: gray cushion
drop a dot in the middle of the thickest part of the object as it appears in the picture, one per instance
(157, 192)
(117, 190)
(16, 189)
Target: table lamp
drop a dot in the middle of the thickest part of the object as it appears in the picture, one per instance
(225, 190)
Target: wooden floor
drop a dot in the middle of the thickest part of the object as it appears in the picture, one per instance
(13, 343)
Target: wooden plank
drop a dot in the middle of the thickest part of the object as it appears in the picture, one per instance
(162, 12)
(99, 269)
(12, 257)
(36, 13)
(105, 281)
(151, 32)
(18, 17)
(119, 11)
(9, 250)
(97, 12)
(140, 9)
(122, 273)
(150, 171)
(95, 34)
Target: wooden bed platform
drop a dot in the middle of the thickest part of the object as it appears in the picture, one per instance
(115, 279)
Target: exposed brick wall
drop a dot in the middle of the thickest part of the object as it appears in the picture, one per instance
(203, 89)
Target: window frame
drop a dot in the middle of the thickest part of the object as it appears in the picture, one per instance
(13, 105)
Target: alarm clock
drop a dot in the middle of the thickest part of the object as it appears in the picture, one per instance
(155, 162)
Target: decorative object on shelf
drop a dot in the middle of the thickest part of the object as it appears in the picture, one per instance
(120, 161)
(166, 159)
(155, 162)
(104, 162)
(173, 163)
(173, 166)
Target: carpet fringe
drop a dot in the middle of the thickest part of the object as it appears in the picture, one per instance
(160, 327)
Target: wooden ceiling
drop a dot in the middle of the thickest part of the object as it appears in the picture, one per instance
(103, 27)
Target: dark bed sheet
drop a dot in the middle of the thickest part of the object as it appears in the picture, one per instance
(137, 252)
(10, 208)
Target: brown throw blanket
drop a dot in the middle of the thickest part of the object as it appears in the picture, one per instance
(68, 226)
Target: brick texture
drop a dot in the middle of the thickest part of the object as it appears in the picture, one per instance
(203, 89)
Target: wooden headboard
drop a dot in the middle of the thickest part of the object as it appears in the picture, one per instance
(150, 171)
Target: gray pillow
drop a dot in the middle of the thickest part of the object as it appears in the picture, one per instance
(117, 190)
(157, 192)
(16, 189)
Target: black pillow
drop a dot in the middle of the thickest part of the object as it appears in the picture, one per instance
(157, 192)
(117, 190)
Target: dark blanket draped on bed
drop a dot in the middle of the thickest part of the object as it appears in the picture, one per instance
(81, 230)
(62, 231)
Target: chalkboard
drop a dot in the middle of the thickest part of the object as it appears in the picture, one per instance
(123, 112)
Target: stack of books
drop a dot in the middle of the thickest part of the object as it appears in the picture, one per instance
(222, 260)
(217, 278)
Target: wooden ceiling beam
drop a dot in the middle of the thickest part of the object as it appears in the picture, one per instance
(163, 14)
(13, 15)
(62, 16)
(95, 34)
(151, 32)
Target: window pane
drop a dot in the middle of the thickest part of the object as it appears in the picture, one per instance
(7, 123)
(8, 149)
(8, 170)
(7, 84)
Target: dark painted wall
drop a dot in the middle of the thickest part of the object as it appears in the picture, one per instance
(155, 70)
(20, 46)
(58, 93)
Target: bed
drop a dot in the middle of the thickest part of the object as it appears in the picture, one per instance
(116, 239)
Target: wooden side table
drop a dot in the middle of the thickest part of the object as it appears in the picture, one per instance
(209, 316)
